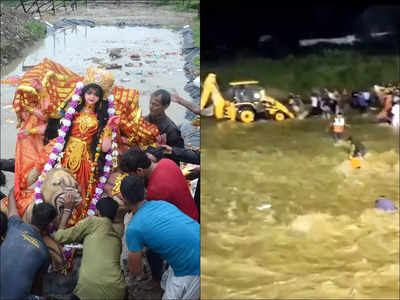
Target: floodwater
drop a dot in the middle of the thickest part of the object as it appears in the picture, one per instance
(158, 48)
(284, 216)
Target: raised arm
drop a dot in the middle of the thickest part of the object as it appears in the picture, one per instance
(69, 204)
(76, 233)
(189, 105)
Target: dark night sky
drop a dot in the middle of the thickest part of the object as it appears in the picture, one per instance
(241, 23)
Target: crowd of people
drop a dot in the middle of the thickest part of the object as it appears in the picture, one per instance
(327, 103)
(333, 105)
(99, 162)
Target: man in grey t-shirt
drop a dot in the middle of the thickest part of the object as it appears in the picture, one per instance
(24, 256)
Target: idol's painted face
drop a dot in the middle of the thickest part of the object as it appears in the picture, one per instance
(91, 97)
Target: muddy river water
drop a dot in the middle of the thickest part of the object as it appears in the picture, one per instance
(157, 64)
(284, 215)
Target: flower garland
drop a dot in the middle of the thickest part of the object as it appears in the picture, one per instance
(109, 161)
(60, 141)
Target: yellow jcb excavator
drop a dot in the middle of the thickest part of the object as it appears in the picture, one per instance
(246, 100)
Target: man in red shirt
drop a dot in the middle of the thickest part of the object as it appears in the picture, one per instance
(164, 180)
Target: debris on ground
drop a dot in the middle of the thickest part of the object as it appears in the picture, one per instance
(26, 68)
(115, 53)
(112, 66)
(96, 60)
(135, 57)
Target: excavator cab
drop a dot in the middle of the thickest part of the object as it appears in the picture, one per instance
(244, 91)
(242, 101)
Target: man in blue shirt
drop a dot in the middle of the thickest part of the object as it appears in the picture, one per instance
(163, 228)
(24, 256)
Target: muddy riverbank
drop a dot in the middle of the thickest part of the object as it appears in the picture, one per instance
(19, 31)
(138, 13)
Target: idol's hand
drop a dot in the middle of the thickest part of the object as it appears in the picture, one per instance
(44, 104)
(25, 115)
(113, 122)
(23, 133)
(38, 113)
(36, 84)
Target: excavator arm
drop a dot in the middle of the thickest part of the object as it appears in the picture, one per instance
(222, 108)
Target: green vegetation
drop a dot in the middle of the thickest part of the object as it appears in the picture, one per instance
(181, 5)
(11, 3)
(188, 5)
(196, 61)
(36, 30)
(174, 27)
(196, 34)
(333, 69)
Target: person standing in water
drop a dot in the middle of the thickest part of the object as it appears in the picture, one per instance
(338, 126)
(357, 149)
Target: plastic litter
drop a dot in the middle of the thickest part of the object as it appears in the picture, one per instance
(135, 57)
(196, 82)
(115, 53)
(265, 206)
(385, 204)
(73, 246)
(112, 66)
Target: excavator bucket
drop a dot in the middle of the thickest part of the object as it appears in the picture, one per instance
(275, 106)
(222, 107)
(209, 85)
